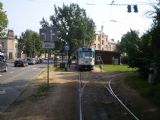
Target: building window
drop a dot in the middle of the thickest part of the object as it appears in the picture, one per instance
(95, 46)
(102, 42)
(10, 55)
(99, 38)
(99, 47)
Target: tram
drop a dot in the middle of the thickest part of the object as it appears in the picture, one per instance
(85, 58)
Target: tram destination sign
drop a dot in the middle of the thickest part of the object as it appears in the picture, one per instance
(48, 36)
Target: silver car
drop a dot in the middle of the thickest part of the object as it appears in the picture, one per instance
(3, 64)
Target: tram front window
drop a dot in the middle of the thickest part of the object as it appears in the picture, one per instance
(86, 54)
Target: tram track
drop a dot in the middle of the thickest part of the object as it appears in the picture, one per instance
(110, 90)
(81, 89)
(84, 82)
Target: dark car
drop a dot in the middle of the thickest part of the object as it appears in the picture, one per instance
(3, 64)
(20, 62)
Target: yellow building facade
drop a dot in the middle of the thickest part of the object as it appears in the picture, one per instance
(102, 42)
(8, 45)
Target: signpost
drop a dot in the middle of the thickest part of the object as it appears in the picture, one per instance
(48, 37)
(66, 47)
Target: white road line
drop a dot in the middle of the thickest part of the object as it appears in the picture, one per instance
(34, 68)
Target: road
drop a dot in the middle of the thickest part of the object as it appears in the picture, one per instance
(14, 81)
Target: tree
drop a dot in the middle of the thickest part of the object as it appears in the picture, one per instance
(30, 44)
(144, 52)
(130, 45)
(21, 44)
(74, 26)
(3, 20)
(44, 23)
(145, 58)
(155, 30)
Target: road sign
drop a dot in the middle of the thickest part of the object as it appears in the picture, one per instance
(48, 36)
(66, 47)
(48, 45)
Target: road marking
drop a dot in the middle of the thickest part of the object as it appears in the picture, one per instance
(2, 91)
(34, 68)
(1, 75)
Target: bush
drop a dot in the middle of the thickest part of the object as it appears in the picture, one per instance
(150, 91)
(124, 60)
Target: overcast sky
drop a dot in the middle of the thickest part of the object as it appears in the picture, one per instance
(27, 14)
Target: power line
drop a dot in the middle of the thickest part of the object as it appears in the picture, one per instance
(122, 4)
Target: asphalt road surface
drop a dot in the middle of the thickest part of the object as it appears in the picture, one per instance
(14, 81)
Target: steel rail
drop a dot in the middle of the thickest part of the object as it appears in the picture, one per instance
(109, 88)
(80, 97)
(81, 89)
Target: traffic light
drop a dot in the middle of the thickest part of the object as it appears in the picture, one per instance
(129, 8)
(135, 8)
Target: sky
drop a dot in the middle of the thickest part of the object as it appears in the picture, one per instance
(116, 21)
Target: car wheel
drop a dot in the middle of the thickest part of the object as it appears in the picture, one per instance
(6, 69)
(15, 65)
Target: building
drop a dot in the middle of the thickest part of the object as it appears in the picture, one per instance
(105, 49)
(102, 42)
(8, 45)
(108, 57)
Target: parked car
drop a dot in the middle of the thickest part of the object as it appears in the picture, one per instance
(38, 60)
(3, 64)
(31, 61)
(20, 62)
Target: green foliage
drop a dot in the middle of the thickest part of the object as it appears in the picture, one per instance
(143, 52)
(29, 43)
(124, 59)
(118, 68)
(44, 23)
(3, 20)
(144, 88)
(42, 89)
(75, 27)
(40, 92)
(130, 44)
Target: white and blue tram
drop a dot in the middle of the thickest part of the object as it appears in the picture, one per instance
(85, 58)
